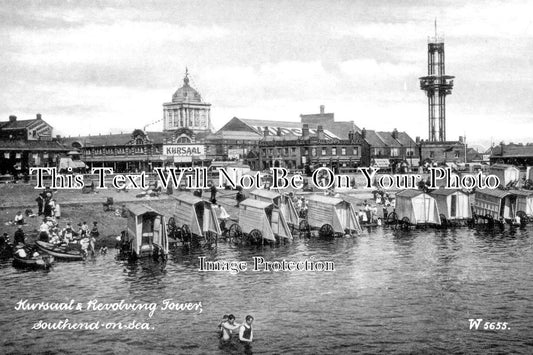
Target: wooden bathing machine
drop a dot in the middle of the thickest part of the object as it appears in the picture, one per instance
(146, 231)
(495, 204)
(331, 215)
(262, 220)
(524, 202)
(417, 207)
(281, 201)
(453, 204)
(508, 174)
(197, 217)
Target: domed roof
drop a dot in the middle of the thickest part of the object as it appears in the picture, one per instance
(186, 93)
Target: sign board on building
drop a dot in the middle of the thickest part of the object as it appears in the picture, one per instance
(236, 153)
(180, 159)
(184, 151)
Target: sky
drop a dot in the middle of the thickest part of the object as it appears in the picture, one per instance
(93, 67)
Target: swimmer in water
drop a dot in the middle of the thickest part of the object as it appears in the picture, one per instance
(246, 333)
(229, 327)
(224, 320)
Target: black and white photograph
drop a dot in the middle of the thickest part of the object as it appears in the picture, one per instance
(266, 177)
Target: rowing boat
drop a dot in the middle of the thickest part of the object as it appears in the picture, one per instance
(59, 252)
(34, 262)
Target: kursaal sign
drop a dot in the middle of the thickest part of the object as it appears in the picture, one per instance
(322, 178)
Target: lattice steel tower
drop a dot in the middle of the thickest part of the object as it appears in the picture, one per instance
(436, 85)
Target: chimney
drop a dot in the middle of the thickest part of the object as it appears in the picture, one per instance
(322, 108)
(305, 131)
(395, 134)
(38, 116)
(460, 139)
(12, 118)
(279, 132)
(265, 131)
(417, 140)
(363, 133)
(320, 133)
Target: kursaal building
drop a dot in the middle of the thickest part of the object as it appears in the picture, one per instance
(186, 125)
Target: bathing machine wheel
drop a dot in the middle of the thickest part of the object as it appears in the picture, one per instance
(326, 231)
(235, 233)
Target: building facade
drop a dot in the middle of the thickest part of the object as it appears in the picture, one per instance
(391, 150)
(140, 150)
(340, 129)
(443, 152)
(517, 154)
(312, 150)
(27, 143)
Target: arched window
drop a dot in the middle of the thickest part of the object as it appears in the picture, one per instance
(183, 139)
(139, 141)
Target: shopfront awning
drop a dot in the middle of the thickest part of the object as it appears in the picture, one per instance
(381, 163)
(66, 163)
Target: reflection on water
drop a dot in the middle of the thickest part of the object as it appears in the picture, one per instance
(403, 291)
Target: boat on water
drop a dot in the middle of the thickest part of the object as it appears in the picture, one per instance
(61, 252)
(33, 262)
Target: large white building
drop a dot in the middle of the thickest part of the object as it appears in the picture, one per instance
(187, 110)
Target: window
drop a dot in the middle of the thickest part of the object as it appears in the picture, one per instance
(356, 151)
(183, 139)
(334, 151)
(410, 152)
(457, 153)
(432, 154)
(293, 150)
(343, 151)
(324, 151)
(313, 152)
(139, 141)
(271, 151)
(286, 151)
(306, 151)
(264, 151)
(394, 152)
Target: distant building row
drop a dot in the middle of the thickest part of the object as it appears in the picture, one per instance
(188, 139)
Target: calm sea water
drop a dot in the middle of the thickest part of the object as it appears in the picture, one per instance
(399, 292)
